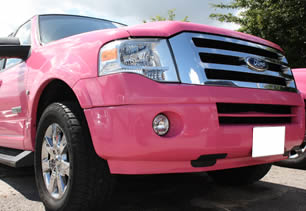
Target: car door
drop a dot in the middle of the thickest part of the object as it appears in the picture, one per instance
(13, 98)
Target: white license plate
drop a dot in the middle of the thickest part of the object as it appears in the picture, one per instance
(268, 141)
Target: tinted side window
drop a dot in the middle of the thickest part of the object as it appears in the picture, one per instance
(24, 35)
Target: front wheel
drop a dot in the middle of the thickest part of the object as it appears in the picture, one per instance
(240, 176)
(69, 174)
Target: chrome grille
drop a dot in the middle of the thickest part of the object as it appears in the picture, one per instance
(222, 61)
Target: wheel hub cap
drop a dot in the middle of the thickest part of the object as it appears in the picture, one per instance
(55, 161)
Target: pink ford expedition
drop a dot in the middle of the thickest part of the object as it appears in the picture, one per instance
(92, 98)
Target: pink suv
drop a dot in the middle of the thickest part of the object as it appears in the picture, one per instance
(93, 98)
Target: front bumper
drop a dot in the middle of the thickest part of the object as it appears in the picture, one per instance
(121, 126)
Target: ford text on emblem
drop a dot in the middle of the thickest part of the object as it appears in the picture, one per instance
(256, 64)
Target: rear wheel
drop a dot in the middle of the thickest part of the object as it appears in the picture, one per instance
(240, 176)
(69, 174)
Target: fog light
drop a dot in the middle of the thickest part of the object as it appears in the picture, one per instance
(161, 125)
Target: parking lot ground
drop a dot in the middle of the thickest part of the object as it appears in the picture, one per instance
(282, 189)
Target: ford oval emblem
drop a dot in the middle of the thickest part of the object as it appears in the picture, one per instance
(256, 64)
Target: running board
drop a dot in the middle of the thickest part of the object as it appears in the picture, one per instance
(23, 159)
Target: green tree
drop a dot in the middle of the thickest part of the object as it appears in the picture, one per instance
(280, 21)
(171, 17)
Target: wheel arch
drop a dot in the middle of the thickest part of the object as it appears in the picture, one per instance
(53, 90)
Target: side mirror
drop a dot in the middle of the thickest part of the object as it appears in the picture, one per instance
(10, 48)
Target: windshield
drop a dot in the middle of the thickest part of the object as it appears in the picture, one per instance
(55, 27)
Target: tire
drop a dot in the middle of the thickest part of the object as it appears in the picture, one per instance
(299, 162)
(82, 180)
(240, 176)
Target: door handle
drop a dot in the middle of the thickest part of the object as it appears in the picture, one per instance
(0, 82)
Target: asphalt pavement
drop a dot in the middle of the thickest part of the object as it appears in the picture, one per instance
(282, 189)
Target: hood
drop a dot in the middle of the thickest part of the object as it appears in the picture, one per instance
(170, 28)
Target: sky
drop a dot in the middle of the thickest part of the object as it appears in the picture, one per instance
(15, 12)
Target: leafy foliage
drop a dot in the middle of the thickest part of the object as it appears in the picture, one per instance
(280, 21)
(171, 17)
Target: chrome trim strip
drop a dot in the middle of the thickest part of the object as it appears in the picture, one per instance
(232, 83)
(238, 54)
(187, 59)
(245, 69)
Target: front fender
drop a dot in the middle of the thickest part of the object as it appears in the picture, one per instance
(68, 72)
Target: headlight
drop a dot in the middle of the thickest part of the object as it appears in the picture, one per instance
(148, 57)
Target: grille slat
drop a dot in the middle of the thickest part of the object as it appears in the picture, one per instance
(245, 69)
(254, 120)
(239, 54)
(233, 60)
(225, 108)
(239, 76)
(256, 115)
(221, 59)
(208, 43)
